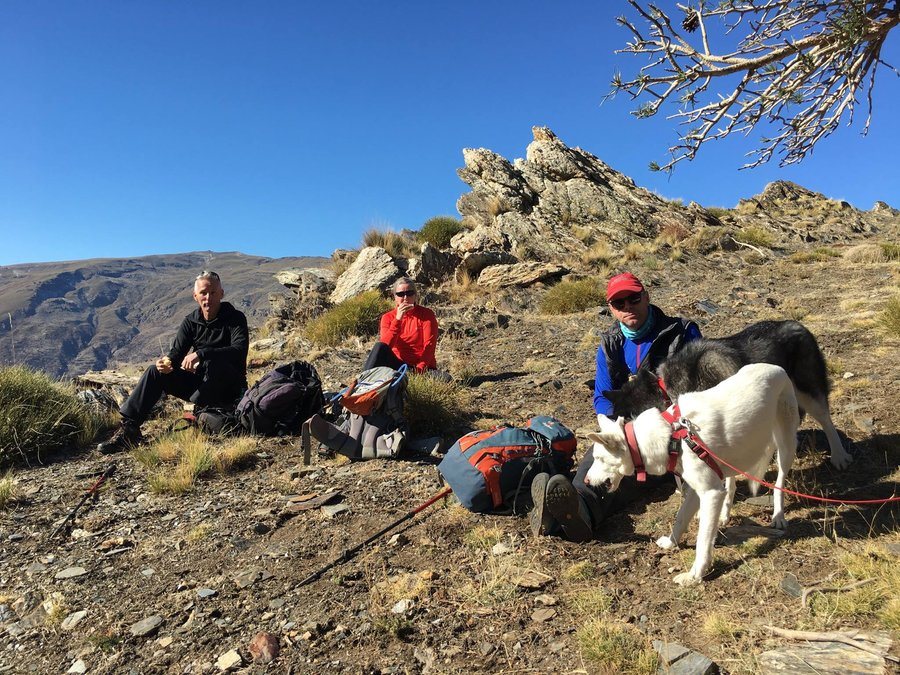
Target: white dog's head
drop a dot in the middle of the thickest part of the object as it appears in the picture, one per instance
(612, 461)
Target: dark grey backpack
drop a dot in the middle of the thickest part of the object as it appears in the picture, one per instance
(381, 433)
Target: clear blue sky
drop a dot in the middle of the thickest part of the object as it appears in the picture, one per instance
(281, 128)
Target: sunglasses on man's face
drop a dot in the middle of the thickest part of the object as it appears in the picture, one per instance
(620, 303)
(404, 294)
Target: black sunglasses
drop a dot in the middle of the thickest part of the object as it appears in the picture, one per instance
(404, 294)
(619, 303)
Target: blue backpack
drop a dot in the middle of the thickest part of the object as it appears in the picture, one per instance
(488, 468)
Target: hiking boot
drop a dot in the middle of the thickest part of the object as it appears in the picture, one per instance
(567, 507)
(539, 517)
(127, 436)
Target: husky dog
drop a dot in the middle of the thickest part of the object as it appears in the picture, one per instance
(739, 419)
(704, 363)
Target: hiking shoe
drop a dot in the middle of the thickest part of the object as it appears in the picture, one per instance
(126, 436)
(564, 504)
(539, 517)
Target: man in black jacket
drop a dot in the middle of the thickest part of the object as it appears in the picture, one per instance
(207, 364)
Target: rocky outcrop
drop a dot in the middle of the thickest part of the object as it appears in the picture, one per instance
(520, 274)
(373, 268)
(555, 203)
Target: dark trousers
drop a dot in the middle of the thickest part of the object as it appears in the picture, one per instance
(381, 355)
(602, 503)
(214, 384)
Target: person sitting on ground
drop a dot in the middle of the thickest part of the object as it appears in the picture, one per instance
(207, 364)
(408, 333)
(642, 337)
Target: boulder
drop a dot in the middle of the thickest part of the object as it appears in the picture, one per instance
(372, 269)
(519, 274)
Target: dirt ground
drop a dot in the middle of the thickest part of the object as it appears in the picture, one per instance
(223, 562)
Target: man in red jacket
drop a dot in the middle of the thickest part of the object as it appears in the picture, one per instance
(408, 332)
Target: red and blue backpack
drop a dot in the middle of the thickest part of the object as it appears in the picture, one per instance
(489, 468)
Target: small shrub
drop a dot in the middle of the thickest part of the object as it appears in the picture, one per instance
(439, 231)
(755, 236)
(890, 316)
(672, 233)
(616, 648)
(396, 244)
(568, 297)
(433, 407)
(38, 414)
(356, 316)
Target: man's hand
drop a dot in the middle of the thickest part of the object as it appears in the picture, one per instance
(402, 309)
(190, 362)
(164, 365)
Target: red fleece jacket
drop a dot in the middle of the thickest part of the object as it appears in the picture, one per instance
(413, 338)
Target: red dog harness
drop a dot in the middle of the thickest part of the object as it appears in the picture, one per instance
(680, 432)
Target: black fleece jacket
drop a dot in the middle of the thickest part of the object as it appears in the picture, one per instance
(224, 339)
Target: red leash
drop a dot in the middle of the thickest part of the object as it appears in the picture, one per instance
(801, 494)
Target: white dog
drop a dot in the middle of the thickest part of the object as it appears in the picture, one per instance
(739, 420)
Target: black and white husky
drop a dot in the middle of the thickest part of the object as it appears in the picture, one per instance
(741, 420)
(702, 364)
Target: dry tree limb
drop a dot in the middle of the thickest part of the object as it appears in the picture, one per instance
(830, 589)
(847, 638)
(801, 66)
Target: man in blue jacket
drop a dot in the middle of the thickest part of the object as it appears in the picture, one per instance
(207, 364)
(642, 337)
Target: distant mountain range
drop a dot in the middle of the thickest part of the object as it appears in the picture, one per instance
(69, 317)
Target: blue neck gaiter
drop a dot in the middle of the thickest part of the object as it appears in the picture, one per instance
(641, 332)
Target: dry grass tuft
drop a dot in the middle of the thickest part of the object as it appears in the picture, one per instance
(878, 599)
(434, 407)
(865, 253)
(176, 461)
(7, 489)
(820, 254)
(356, 316)
(397, 244)
(616, 648)
(40, 415)
(568, 297)
(755, 236)
(599, 255)
(889, 319)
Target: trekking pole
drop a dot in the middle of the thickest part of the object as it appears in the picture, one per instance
(91, 491)
(350, 552)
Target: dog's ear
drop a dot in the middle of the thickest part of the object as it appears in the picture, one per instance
(594, 437)
(613, 396)
(607, 425)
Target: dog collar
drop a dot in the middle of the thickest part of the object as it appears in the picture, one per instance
(665, 392)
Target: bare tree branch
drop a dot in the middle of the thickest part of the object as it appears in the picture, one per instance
(800, 67)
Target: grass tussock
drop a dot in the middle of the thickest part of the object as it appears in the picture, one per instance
(890, 251)
(588, 602)
(434, 407)
(599, 255)
(672, 234)
(878, 598)
(865, 253)
(7, 490)
(465, 288)
(889, 319)
(341, 261)
(820, 254)
(178, 460)
(703, 240)
(438, 231)
(396, 244)
(568, 297)
(755, 236)
(616, 648)
(38, 414)
(356, 316)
